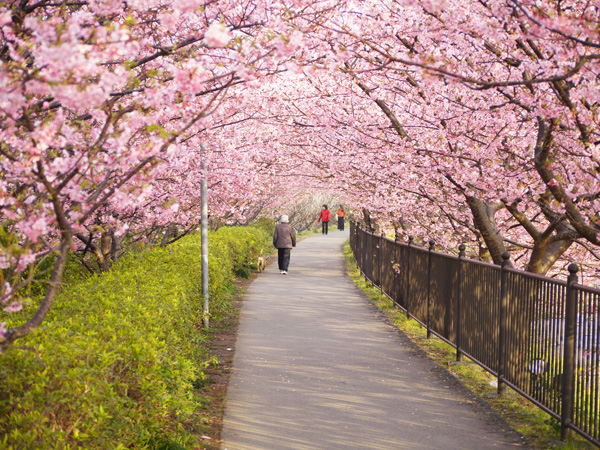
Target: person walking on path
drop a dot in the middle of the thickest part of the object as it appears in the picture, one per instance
(284, 239)
(341, 215)
(324, 218)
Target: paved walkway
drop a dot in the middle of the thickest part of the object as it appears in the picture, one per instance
(317, 367)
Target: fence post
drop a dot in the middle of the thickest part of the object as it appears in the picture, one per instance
(370, 260)
(431, 246)
(364, 254)
(354, 234)
(406, 301)
(358, 244)
(461, 255)
(381, 240)
(396, 265)
(503, 323)
(568, 379)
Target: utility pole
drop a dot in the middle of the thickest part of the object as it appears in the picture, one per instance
(204, 242)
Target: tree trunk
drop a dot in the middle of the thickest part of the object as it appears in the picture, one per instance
(545, 254)
(102, 252)
(169, 233)
(483, 219)
(368, 222)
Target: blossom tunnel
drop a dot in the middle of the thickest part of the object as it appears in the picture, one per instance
(470, 122)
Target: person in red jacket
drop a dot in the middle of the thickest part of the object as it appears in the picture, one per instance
(324, 218)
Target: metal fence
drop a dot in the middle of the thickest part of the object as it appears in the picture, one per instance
(538, 335)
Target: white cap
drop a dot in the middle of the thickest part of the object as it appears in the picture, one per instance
(284, 219)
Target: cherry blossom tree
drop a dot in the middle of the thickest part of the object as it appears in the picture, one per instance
(493, 102)
(99, 101)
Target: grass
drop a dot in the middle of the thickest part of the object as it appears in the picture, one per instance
(540, 430)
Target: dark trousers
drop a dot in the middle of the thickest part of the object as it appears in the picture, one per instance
(325, 227)
(284, 258)
(341, 223)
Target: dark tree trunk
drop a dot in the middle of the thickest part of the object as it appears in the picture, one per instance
(484, 221)
(368, 221)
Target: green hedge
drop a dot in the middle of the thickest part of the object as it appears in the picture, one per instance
(115, 363)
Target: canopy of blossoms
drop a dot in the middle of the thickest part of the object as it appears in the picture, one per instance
(463, 121)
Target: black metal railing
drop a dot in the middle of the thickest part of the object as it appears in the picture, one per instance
(538, 335)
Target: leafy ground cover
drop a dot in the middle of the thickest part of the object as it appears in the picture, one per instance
(538, 428)
(122, 361)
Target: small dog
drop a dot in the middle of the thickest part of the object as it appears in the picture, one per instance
(261, 263)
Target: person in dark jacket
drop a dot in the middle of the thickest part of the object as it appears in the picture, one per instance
(324, 218)
(284, 239)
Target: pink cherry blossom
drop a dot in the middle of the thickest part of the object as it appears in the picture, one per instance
(217, 35)
(13, 307)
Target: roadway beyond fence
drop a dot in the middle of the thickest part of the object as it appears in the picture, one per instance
(317, 367)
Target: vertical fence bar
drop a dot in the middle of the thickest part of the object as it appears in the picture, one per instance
(407, 298)
(358, 239)
(431, 246)
(352, 237)
(365, 252)
(371, 258)
(503, 323)
(396, 264)
(459, 301)
(359, 246)
(381, 240)
(568, 379)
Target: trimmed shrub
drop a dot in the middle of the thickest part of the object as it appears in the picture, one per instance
(114, 364)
